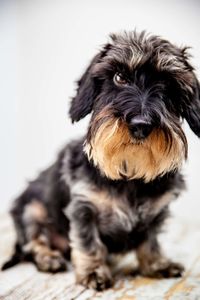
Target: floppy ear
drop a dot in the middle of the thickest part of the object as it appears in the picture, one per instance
(87, 90)
(190, 91)
(191, 110)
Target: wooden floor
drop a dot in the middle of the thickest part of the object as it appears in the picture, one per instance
(181, 242)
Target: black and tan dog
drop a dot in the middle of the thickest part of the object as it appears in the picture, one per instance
(109, 192)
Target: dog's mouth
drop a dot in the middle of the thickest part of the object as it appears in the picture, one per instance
(136, 141)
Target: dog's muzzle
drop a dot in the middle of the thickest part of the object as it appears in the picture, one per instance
(140, 128)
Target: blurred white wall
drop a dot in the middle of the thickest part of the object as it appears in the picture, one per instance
(44, 47)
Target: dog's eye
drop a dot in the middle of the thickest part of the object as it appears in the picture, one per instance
(119, 79)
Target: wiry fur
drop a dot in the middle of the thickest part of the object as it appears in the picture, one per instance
(110, 192)
(112, 150)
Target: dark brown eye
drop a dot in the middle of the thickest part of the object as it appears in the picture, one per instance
(119, 79)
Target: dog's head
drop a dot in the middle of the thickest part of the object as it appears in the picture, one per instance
(139, 89)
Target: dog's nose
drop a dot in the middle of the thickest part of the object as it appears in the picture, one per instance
(140, 128)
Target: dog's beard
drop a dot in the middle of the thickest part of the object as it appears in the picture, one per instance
(119, 156)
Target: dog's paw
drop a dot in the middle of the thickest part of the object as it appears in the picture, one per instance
(170, 269)
(51, 261)
(99, 279)
(164, 269)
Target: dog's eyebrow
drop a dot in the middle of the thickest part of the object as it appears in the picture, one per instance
(103, 68)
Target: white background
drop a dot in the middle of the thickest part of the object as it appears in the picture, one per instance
(44, 48)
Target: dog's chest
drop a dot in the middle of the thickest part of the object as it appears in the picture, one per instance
(120, 215)
(116, 215)
(121, 212)
(124, 225)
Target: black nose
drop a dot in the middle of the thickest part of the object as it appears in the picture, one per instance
(140, 128)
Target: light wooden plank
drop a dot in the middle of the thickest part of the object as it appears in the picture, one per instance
(12, 278)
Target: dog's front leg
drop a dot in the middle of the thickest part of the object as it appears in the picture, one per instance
(153, 263)
(88, 253)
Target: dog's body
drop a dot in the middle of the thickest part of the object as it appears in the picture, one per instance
(110, 192)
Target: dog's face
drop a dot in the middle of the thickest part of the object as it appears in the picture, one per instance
(139, 88)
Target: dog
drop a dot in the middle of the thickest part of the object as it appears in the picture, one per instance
(110, 191)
